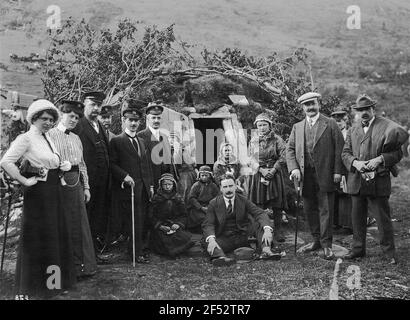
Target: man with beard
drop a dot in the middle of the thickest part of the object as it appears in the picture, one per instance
(130, 169)
(157, 144)
(105, 117)
(226, 225)
(95, 144)
(372, 149)
(314, 159)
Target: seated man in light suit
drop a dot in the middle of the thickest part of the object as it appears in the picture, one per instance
(226, 224)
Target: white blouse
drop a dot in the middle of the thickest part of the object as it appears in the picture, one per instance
(33, 146)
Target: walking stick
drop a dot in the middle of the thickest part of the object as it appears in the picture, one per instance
(5, 229)
(297, 187)
(133, 225)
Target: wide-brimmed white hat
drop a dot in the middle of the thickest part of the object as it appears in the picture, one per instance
(39, 106)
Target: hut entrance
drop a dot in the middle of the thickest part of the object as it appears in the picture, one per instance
(209, 134)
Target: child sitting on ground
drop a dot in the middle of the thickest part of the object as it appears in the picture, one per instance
(168, 218)
(201, 193)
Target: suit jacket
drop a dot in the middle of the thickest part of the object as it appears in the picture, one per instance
(123, 159)
(215, 218)
(87, 136)
(384, 137)
(150, 143)
(327, 150)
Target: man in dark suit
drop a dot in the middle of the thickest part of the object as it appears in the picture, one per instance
(105, 117)
(226, 224)
(130, 168)
(157, 144)
(372, 149)
(314, 159)
(95, 150)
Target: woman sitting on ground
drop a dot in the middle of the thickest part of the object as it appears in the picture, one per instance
(168, 218)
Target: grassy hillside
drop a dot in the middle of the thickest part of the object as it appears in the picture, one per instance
(344, 61)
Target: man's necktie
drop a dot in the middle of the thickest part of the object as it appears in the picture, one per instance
(67, 131)
(135, 144)
(365, 124)
(229, 209)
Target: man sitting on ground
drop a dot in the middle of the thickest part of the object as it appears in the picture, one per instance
(226, 224)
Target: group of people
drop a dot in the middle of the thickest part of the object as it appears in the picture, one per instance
(87, 189)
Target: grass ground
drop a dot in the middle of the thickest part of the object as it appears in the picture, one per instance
(306, 277)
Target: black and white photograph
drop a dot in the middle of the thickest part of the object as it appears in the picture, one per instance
(208, 156)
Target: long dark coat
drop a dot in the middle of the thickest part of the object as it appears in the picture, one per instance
(126, 161)
(150, 143)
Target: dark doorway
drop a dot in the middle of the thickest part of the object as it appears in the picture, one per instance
(209, 135)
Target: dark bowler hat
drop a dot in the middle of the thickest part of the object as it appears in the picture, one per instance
(156, 107)
(96, 96)
(364, 101)
(339, 111)
(75, 106)
(106, 110)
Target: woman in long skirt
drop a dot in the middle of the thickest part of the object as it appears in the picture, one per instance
(45, 262)
(75, 186)
(267, 185)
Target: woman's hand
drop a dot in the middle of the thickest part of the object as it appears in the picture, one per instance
(164, 228)
(30, 182)
(87, 195)
(270, 174)
(175, 227)
(65, 166)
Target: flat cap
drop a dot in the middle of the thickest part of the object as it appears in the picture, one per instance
(364, 101)
(70, 105)
(97, 96)
(106, 110)
(339, 111)
(308, 97)
(156, 107)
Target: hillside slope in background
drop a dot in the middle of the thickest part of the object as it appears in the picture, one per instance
(344, 61)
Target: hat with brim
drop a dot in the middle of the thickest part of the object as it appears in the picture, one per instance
(244, 254)
(131, 109)
(338, 112)
(155, 108)
(263, 117)
(68, 106)
(308, 97)
(106, 110)
(40, 105)
(363, 102)
(96, 96)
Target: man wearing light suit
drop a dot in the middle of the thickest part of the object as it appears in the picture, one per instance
(372, 149)
(314, 159)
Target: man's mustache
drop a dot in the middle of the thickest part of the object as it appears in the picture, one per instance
(311, 109)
